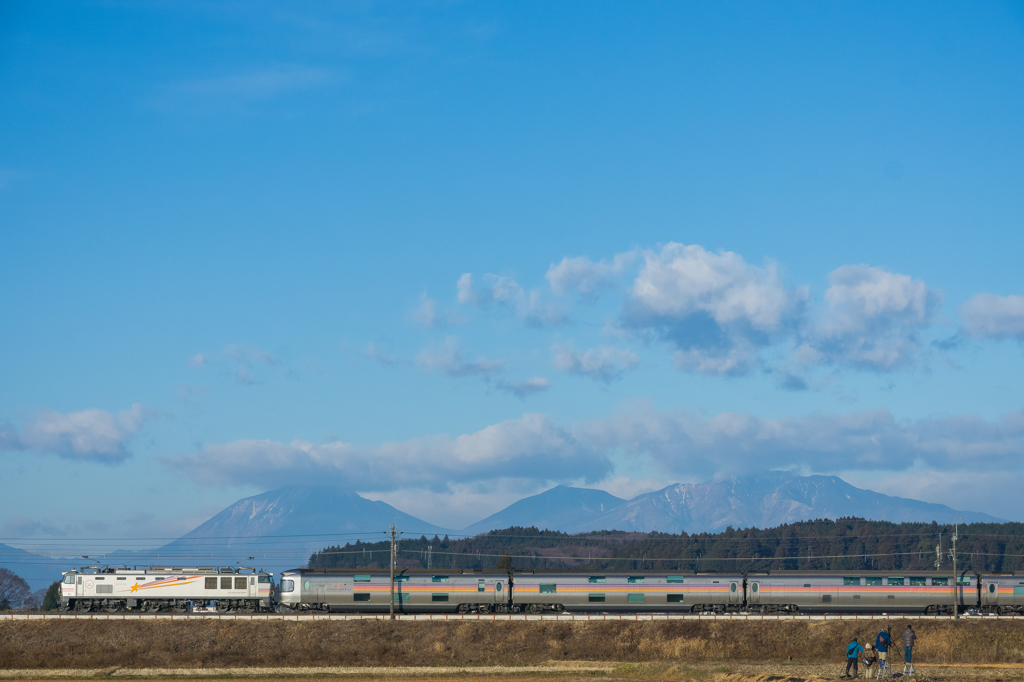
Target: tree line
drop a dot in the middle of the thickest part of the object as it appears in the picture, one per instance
(15, 594)
(822, 544)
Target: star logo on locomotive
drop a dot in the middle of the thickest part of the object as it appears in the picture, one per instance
(135, 587)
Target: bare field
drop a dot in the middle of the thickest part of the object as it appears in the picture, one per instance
(652, 648)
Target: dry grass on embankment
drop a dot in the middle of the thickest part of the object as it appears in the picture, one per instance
(230, 644)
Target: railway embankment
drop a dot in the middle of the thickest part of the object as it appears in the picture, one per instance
(199, 644)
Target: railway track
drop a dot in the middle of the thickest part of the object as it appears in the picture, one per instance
(495, 618)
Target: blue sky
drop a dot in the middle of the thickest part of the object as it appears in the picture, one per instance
(450, 254)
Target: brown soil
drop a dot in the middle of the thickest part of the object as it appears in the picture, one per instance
(97, 645)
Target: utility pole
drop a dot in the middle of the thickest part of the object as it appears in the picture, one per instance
(956, 578)
(938, 553)
(394, 558)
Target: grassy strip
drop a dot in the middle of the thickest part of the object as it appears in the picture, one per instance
(232, 644)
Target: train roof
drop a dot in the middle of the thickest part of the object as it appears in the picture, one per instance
(170, 570)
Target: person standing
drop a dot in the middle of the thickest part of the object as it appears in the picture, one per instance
(853, 651)
(882, 643)
(870, 658)
(909, 637)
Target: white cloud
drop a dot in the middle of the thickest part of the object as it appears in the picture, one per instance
(872, 320)
(377, 353)
(532, 446)
(584, 275)
(241, 358)
(448, 359)
(716, 309)
(523, 389)
(605, 364)
(529, 306)
(992, 316)
(90, 435)
(428, 314)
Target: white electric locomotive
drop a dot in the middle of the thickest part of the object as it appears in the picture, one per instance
(113, 589)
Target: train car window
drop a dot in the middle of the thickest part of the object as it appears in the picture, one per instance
(122, 578)
(595, 579)
(225, 583)
(674, 598)
(595, 598)
(401, 578)
(753, 587)
(940, 581)
(79, 580)
(305, 586)
(263, 579)
(480, 585)
(963, 580)
(159, 578)
(895, 581)
(439, 596)
(401, 596)
(361, 596)
(439, 579)
(807, 584)
(69, 580)
(99, 578)
(211, 584)
(548, 588)
(919, 581)
(635, 598)
(635, 579)
(851, 580)
(1018, 591)
(287, 586)
(182, 578)
(991, 588)
(497, 586)
(361, 578)
(872, 581)
(732, 587)
(826, 599)
(674, 579)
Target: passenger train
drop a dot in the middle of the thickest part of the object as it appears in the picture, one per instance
(224, 590)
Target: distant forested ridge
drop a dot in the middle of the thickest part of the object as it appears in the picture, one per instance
(842, 544)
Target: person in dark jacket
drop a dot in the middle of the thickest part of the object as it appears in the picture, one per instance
(853, 651)
(909, 637)
(882, 643)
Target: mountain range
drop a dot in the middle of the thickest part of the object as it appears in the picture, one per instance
(279, 529)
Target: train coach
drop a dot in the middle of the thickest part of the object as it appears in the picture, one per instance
(465, 591)
(179, 590)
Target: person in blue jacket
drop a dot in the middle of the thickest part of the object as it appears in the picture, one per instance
(882, 643)
(853, 652)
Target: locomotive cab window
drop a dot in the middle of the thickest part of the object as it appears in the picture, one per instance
(263, 579)
(635, 579)
(287, 585)
(69, 580)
